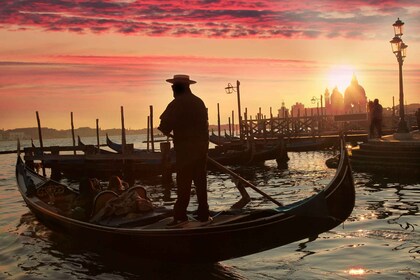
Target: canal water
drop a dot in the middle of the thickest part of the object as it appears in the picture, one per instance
(380, 240)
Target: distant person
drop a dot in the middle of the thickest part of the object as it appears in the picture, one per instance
(370, 112)
(376, 121)
(186, 116)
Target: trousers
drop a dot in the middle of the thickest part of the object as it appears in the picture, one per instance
(191, 166)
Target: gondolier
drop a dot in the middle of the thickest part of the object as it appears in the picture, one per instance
(186, 117)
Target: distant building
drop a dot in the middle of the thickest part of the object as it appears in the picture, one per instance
(355, 99)
(336, 103)
(283, 111)
(298, 109)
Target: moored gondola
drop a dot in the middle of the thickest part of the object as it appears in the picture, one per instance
(231, 234)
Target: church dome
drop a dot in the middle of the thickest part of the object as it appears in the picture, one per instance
(355, 97)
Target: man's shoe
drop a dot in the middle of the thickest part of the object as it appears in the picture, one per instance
(176, 223)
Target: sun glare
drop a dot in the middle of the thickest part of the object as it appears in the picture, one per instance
(357, 271)
(340, 76)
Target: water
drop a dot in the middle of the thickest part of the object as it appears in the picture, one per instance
(380, 240)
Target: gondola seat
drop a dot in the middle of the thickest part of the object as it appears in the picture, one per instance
(140, 191)
(101, 199)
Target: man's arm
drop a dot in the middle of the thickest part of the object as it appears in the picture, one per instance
(167, 120)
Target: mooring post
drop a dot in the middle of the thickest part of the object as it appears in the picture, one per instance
(230, 128)
(55, 166)
(41, 144)
(97, 135)
(148, 132)
(151, 128)
(218, 120)
(233, 123)
(123, 140)
(282, 157)
(72, 132)
(165, 148)
(246, 125)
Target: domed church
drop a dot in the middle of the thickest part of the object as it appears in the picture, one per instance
(355, 99)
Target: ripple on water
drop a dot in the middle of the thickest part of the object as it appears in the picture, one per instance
(379, 241)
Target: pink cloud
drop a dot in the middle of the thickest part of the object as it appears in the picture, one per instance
(204, 18)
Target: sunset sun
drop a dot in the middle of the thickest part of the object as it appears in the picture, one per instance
(340, 76)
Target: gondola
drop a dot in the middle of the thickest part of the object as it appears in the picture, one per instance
(232, 234)
(97, 149)
(247, 155)
(142, 152)
(221, 140)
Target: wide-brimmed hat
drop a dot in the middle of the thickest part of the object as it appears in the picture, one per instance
(181, 79)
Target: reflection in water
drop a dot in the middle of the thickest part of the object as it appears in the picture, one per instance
(397, 200)
(384, 223)
(60, 257)
(302, 247)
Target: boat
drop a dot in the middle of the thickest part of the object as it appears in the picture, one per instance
(232, 234)
(221, 140)
(248, 154)
(119, 149)
(98, 150)
(91, 161)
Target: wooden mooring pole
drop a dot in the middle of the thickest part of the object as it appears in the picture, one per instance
(233, 123)
(148, 132)
(152, 139)
(97, 134)
(41, 144)
(218, 120)
(72, 132)
(123, 140)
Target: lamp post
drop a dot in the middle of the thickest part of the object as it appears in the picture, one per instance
(229, 90)
(316, 100)
(400, 50)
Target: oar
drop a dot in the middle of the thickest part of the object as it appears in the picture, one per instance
(215, 163)
(227, 170)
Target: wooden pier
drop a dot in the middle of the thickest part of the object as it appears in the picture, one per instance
(89, 161)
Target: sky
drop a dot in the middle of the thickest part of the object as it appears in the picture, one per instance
(92, 57)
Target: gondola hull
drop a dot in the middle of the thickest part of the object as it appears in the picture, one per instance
(249, 233)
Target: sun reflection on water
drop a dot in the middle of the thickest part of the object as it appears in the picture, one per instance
(356, 271)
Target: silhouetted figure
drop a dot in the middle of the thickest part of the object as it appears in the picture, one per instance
(369, 110)
(186, 116)
(376, 121)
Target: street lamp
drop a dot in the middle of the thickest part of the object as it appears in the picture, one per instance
(315, 99)
(229, 90)
(400, 51)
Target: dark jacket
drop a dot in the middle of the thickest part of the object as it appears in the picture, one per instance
(377, 111)
(186, 116)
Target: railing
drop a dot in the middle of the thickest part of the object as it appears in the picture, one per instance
(316, 125)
